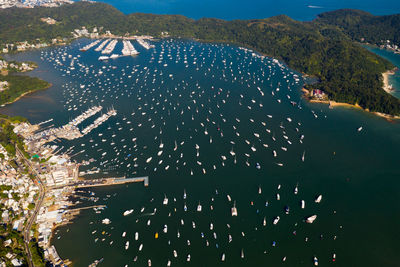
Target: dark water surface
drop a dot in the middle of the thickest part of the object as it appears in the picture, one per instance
(356, 172)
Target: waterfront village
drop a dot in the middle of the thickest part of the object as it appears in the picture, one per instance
(32, 3)
(36, 182)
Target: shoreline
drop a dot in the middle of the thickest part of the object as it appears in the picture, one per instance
(332, 104)
(24, 94)
(386, 86)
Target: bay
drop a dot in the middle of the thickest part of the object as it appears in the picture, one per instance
(355, 171)
(239, 9)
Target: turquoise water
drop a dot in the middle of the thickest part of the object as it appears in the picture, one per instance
(239, 9)
(395, 59)
(356, 172)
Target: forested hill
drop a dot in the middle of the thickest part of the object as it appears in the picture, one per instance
(322, 48)
(362, 25)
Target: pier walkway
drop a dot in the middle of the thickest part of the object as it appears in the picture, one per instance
(106, 182)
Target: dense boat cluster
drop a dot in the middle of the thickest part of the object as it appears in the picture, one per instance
(186, 228)
(191, 109)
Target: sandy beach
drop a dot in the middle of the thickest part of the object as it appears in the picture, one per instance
(386, 86)
(333, 104)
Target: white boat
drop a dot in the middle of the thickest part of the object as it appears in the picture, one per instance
(278, 197)
(126, 245)
(123, 234)
(223, 257)
(140, 247)
(303, 204)
(106, 221)
(276, 220)
(311, 219)
(315, 261)
(175, 254)
(103, 57)
(149, 263)
(360, 129)
(234, 211)
(265, 221)
(114, 56)
(242, 254)
(136, 236)
(165, 201)
(199, 207)
(127, 212)
(318, 199)
(165, 230)
(296, 190)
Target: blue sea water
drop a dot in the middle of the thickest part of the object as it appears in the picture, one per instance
(250, 9)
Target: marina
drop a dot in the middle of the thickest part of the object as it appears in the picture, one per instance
(204, 122)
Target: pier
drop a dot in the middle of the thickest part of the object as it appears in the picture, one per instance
(85, 208)
(106, 182)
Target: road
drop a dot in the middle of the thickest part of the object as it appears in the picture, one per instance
(38, 204)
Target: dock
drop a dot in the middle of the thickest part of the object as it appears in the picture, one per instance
(85, 208)
(109, 181)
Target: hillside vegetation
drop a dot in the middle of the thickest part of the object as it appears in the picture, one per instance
(324, 48)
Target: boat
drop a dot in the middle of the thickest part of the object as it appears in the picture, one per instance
(127, 212)
(311, 219)
(303, 156)
(259, 190)
(234, 210)
(303, 204)
(360, 129)
(114, 56)
(242, 254)
(199, 207)
(165, 230)
(278, 197)
(258, 166)
(103, 57)
(276, 220)
(123, 234)
(287, 209)
(140, 247)
(165, 201)
(265, 221)
(136, 236)
(334, 257)
(175, 254)
(184, 194)
(126, 245)
(318, 199)
(223, 257)
(315, 261)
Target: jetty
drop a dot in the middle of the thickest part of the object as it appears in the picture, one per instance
(100, 47)
(112, 181)
(99, 121)
(110, 47)
(87, 47)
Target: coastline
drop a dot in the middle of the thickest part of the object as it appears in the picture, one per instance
(333, 104)
(386, 86)
(26, 93)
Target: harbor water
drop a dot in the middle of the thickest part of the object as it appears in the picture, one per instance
(227, 127)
